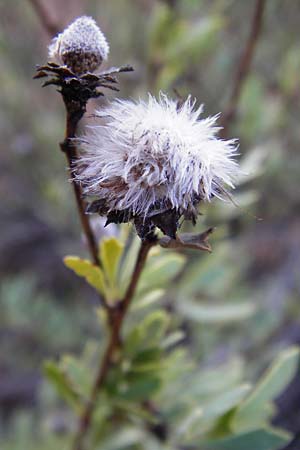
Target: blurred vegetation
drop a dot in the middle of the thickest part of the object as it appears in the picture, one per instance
(221, 319)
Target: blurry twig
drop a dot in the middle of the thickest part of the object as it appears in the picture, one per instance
(50, 25)
(243, 66)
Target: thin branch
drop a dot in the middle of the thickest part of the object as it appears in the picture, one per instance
(116, 319)
(116, 315)
(50, 25)
(69, 148)
(75, 103)
(75, 96)
(244, 66)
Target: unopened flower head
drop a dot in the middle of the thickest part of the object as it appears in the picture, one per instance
(153, 157)
(81, 47)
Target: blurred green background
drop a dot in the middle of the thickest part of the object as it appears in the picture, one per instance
(240, 302)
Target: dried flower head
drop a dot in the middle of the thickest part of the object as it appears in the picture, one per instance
(81, 47)
(153, 162)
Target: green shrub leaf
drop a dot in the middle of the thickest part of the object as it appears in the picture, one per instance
(209, 313)
(110, 253)
(62, 383)
(260, 439)
(84, 268)
(272, 383)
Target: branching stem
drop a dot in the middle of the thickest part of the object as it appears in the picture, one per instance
(116, 319)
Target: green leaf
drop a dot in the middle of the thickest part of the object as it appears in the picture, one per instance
(272, 383)
(140, 389)
(260, 439)
(197, 40)
(110, 253)
(211, 274)
(163, 27)
(209, 313)
(208, 383)
(121, 439)
(148, 360)
(154, 327)
(84, 268)
(148, 299)
(148, 333)
(173, 339)
(60, 380)
(147, 355)
(159, 270)
(169, 73)
(175, 43)
(224, 402)
(182, 430)
(214, 408)
(78, 374)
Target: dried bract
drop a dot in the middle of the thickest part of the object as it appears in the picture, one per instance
(77, 90)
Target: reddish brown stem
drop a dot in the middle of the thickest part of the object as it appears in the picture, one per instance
(69, 148)
(45, 17)
(116, 319)
(243, 66)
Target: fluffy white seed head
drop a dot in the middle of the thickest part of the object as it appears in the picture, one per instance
(81, 47)
(155, 153)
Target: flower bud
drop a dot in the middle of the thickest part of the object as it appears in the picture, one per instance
(81, 47)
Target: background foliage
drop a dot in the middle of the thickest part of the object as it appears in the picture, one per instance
(203, 328)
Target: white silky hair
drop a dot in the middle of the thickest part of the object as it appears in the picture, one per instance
(155, 151)
(82, 36)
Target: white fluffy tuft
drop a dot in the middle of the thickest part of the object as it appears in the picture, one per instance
(83, 40)
(153, 151)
